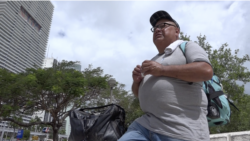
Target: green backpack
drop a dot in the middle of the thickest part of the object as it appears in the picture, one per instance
(218, 104)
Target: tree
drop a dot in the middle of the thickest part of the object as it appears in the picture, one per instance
(9, 90)
(14, 125)
(230, 69)
(26, 134)
(57, 91)
(63, 132)
(129, 102)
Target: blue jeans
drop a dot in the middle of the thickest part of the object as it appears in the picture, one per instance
(136, 132)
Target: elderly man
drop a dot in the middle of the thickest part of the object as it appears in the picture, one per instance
(169, 88)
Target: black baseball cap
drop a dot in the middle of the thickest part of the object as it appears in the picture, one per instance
(161, 15)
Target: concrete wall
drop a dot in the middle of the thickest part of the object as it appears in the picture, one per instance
(231, 136)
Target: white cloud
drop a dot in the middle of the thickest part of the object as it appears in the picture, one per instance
(116, 35)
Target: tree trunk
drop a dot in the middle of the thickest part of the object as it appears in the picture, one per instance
(55, 133)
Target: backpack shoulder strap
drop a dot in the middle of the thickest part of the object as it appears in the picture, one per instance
(215, 94)
(183, 47)
(230, 102)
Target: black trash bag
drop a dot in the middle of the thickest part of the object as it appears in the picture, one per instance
(104, 123)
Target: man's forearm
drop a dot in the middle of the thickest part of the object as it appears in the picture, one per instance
(135, 88)
(193, 72)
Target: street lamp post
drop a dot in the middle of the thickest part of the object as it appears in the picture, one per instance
(111, 83)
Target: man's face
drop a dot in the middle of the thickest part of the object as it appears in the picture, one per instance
(165, 35)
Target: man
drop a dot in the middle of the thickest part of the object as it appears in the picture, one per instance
(169, 88)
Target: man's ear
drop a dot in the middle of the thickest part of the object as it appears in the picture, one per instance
(177, 32)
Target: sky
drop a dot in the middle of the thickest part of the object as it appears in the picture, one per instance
(116, 36)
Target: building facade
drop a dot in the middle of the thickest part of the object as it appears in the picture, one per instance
(25, 119)
(24, 32)
(49, 63)
(77, 66)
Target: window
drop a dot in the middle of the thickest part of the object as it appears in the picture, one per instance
(27, 17)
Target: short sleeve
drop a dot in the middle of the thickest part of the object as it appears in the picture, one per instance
(195, 53)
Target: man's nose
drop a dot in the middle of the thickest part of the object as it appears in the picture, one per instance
(157, 30)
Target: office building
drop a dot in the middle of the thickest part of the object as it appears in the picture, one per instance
(25, 119)
(24, 32)
(76, 66)
(63, 127)
(49, 63)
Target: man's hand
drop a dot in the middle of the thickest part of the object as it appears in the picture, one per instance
(151, 67)
(137, 80)
(137, 74)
